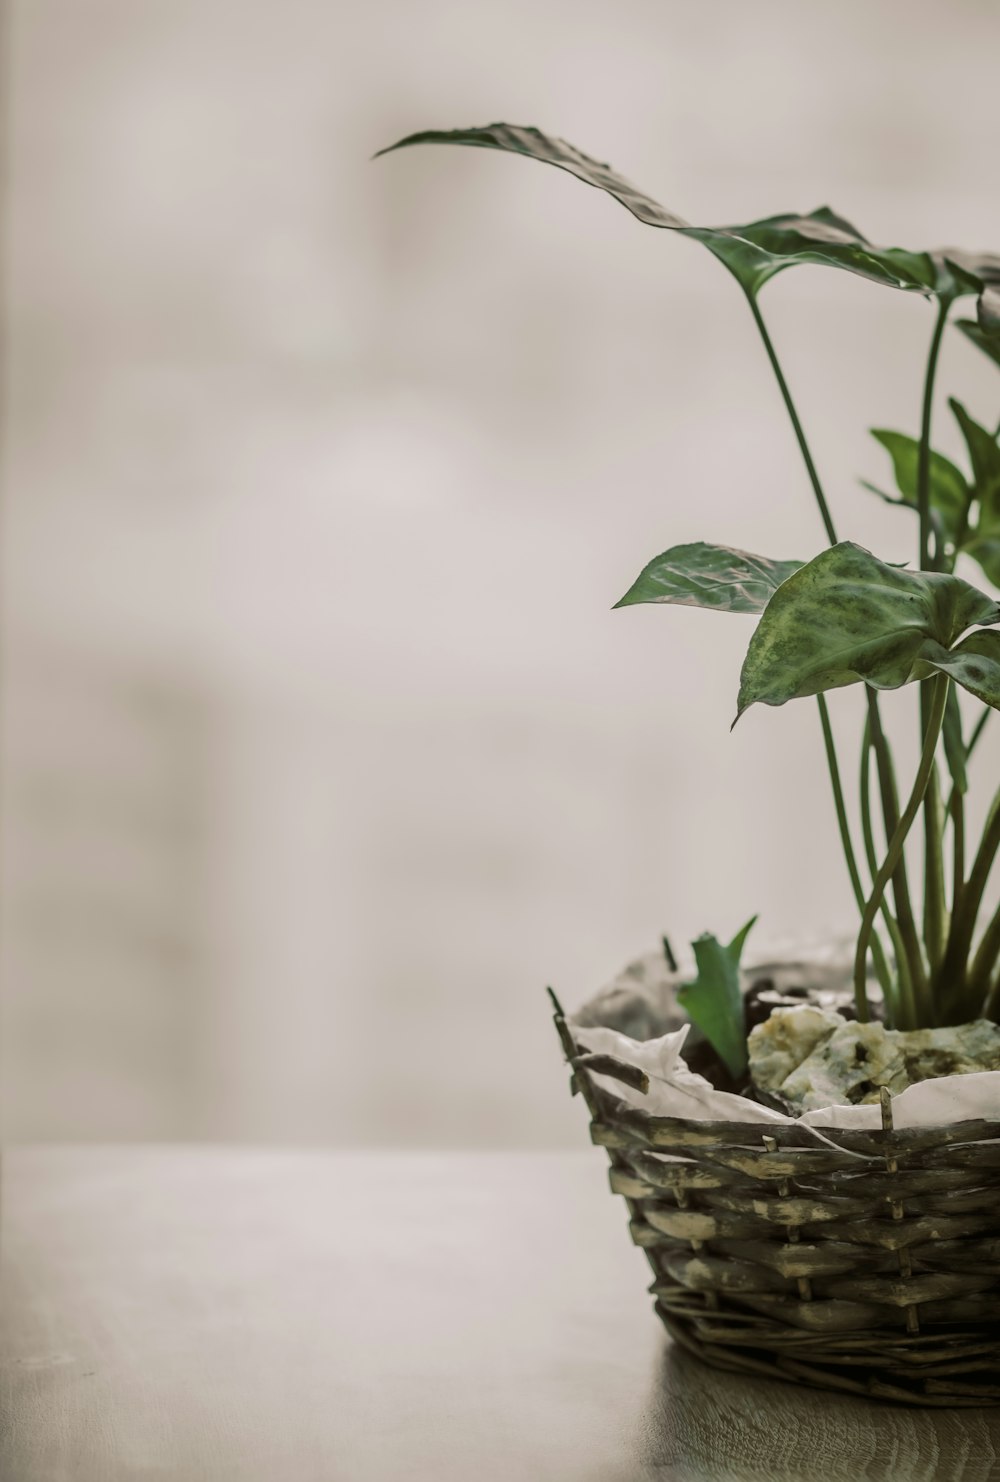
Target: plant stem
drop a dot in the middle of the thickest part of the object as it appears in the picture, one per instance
(991, 1008)
(977, 731)
(984, 962)
(878, 951)
(895, 849)
(956, 812)
(951, 980)
(883, 756)
(934, 903)
(786, 395)
(924, 456)
(956, 808)
(915, 971)
(935, 908)
(898, 947)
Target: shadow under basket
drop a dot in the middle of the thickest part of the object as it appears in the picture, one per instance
(866, 1262)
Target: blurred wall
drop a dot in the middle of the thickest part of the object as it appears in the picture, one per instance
(322, 749)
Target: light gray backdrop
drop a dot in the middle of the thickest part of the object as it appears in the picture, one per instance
(323, 750)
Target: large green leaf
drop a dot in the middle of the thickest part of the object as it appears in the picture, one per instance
(846, 618)
(754, 252)
(949, 490)
(714, 1000)
(701, 575)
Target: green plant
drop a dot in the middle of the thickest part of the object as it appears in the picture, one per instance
(846, 618)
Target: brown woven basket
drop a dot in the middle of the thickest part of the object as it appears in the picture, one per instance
(862, 1261)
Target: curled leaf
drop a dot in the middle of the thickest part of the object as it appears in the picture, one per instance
(702, 575)
(975, 272)
(974, 664)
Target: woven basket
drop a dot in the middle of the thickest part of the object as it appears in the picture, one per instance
(861, 1261)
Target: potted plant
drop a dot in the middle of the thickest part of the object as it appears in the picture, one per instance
(842, 1233)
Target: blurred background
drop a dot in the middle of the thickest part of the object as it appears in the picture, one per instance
(322, 750)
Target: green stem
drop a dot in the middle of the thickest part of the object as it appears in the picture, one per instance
(991, 1008)
(924, 456)
(883, 756)
(786, 395)
(892, 926)
(951, 981)
(977, 731)
(984, 963)
(934, 903)
(935, 907)
(956, 812)
(956, 809)
(895, 849)
(878, 951)
(912, 954)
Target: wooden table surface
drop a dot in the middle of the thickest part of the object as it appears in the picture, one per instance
(203, 1313)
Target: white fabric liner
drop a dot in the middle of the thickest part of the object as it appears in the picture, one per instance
(676, 1091)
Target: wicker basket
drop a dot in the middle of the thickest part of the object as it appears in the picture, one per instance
(861, 1261)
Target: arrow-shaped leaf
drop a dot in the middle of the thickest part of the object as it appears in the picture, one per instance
(949, 491)
(983, 545)
(846, 618)
(714, 1000)
(754, 253)
(984, 454)
(702, 575)
(981, 539)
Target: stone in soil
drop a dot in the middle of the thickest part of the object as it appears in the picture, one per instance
(813, 1057)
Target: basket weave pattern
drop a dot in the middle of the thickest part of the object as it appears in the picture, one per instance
(862, 1261)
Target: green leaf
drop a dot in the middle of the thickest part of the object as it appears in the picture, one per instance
(974, 664)
(714, 1001)
(753, 253)
(703, 575)
(515, 139)
(758, 251)
(983, 545)
(981, 540)
(949, 490)
(846, 618)
(954, 744)
(986, 340)
(984, 454)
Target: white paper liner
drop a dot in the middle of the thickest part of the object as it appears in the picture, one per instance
(677, 1091)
